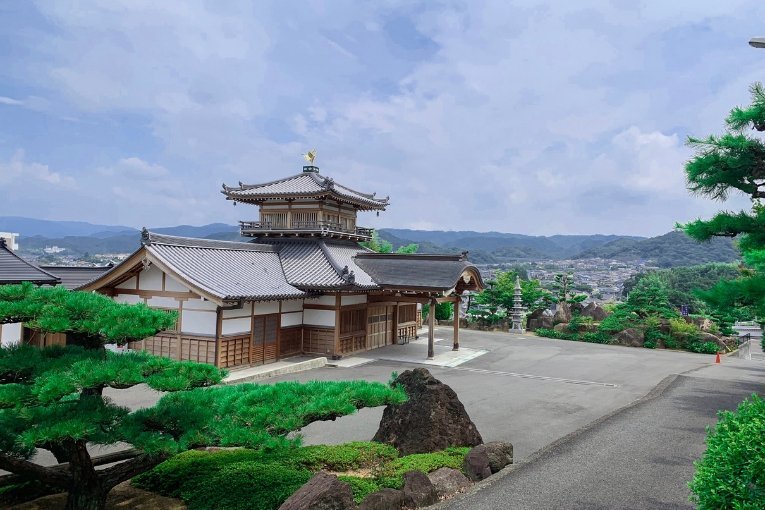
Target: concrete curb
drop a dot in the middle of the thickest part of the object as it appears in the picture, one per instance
(292, 368)
(656, 392)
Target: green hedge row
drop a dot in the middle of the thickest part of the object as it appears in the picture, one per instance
(731, 473)
(597, 337)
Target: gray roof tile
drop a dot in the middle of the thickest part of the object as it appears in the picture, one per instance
(436, 272)
(73, 277)
(306, 184)
(14, 269)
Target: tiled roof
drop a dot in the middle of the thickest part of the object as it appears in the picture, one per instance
(73, 277)
(318, 264)
(305, 184)
(227, 270)
(399, 271)
(14, 269)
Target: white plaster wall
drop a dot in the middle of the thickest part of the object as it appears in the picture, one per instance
(198, 323)
(266, 307)
(319, 318)
(162, 302)
(174, 285)
(11, 333)
(128, 298)
(293, 305)
(199, 304)
(245, 311)
(292, 319)
(127, 284)
(354, 299)
(322, 300)
(234, 326)
(150, 279)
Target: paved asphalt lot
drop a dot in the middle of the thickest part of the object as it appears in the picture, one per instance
(639, 458)
(526, 390)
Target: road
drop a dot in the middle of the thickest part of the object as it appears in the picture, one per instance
(640, 457)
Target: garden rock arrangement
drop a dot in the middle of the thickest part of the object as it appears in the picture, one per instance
(448, 481)
(486, 459)
(322, 492)
(431, 420)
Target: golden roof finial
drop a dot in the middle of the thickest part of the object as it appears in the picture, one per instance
(310, 156)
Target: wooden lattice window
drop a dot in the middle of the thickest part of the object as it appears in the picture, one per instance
(352, 320)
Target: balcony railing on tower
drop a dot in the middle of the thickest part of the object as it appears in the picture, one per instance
(298, 228)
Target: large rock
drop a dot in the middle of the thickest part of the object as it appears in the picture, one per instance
(561, 327)
(539, 319)
(562, 313)
(486, 459)
(448, 481)
(418, 490)
(631, 337)
(322, 492)
(709, 337)
(595, 311)
(431, 420)
(500, 454)
(476, 464)
(384, 499)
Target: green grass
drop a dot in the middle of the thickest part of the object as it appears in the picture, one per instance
(250, 479)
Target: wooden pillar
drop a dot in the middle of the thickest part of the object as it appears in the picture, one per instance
(431, 328)
(218, 332)
(395, 324)
(338, 304)
(456, 346)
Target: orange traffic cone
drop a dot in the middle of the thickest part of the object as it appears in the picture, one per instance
(717, 359)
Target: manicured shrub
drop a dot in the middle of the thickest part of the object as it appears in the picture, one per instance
(704, 347)
(444, 311)
(731, 473)
(597, 337)
(649, 344)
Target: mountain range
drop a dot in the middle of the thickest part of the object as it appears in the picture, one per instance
(672, 249)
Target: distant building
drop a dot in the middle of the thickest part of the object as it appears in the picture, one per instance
(10, 239)
(50, 250)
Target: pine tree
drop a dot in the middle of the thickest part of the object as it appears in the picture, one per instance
(52, 398)
(734, 163)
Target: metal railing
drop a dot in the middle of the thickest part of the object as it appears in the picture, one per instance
(745, 346)
(306, 226)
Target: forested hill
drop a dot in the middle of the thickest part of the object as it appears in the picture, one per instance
(669, 250)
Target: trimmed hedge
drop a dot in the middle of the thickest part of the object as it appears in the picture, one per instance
(597, 337)
(731, 473)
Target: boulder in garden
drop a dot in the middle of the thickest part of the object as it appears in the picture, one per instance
(384, 499)
(322, 492)
(631, 337)
(486, 459)
(432, 419)
(448, 481)
(595, 311)
(562, 314)
(418, 490)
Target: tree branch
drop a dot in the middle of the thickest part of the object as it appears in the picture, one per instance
(49, 476)
(127, 470)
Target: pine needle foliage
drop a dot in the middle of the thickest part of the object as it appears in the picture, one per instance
(724, 164)
(59, 310)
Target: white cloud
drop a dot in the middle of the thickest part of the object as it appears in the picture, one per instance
(10, 101)
(18, 173)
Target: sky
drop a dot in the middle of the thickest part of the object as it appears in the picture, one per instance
(532, 117)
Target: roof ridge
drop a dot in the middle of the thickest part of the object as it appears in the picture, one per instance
(148, 238)
(243, 187)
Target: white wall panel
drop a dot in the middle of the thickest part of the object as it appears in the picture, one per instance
(245, 311)
(266, 307)
(293, 305)
(128, 298)
(319, 318)
(11, 333)
(174, 285)
(322, 300)
(198, 323)
(292, 319)
(127, 284)
(354, 299)
(162, 302)
(234, 326)
(199, 304)
(150, 279)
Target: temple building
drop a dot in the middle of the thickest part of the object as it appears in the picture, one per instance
(302, 285)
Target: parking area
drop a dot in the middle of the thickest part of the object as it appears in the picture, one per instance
(526, 390)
